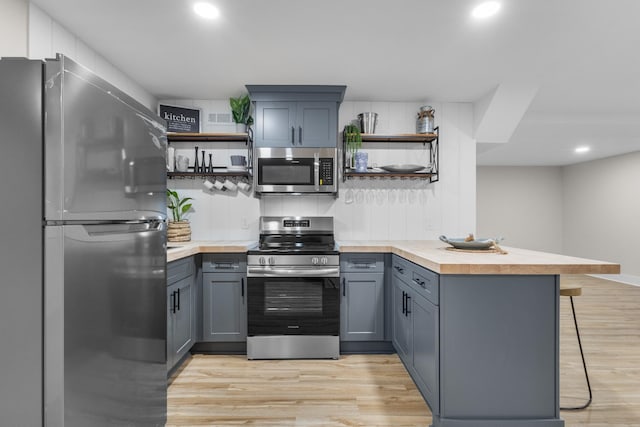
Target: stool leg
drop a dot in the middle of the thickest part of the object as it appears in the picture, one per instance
(584, 364)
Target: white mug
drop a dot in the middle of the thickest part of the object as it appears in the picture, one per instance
(208, 184)
(218, 185)
(229, 185)
(244, 186)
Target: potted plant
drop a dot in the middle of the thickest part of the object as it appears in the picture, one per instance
(178, 229)
(240, 108)
(353, 140)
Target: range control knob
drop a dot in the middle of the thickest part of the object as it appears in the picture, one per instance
(272, 260)
(261, 260)
(315, 260)
(324, 260)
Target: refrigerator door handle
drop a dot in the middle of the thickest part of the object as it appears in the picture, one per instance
(94, 230)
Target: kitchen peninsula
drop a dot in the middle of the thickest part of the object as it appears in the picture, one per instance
(478, 332)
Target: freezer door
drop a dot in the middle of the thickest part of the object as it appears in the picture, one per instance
(105, 327)
(104, 152)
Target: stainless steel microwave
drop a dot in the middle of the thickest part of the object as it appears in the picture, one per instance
(296, 170)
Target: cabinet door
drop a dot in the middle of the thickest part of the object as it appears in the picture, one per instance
(317, 124)
(401, 321)
(275, 124)
(171, 290)
(362, 307)
(224, 309)
(183, 332)
(426, 348)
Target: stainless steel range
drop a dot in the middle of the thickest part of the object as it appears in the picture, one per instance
(293, 290)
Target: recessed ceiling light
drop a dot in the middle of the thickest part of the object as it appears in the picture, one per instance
(582, 149)
(206, 10)
(485, 10)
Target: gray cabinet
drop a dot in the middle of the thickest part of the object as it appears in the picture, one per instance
(296, 116)
(180, 310)
(296, 124)
(416, 326)
(224, 305)
(362, 303)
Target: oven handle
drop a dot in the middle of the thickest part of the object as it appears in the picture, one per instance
(293, 272)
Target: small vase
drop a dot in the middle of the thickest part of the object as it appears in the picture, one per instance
(241, 128)
(179, 231)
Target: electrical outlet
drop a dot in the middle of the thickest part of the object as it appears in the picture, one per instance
(244, 223)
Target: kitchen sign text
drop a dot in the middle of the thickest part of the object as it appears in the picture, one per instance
(180, 119)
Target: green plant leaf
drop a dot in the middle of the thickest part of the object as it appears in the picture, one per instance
(185, 200)
(185, 208)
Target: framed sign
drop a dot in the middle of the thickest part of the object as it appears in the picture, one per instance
(181, 119)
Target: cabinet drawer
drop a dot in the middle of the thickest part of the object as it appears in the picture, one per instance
(401, 268)
(362, 263)
(220, 263)
(177, 270)
(426, 283)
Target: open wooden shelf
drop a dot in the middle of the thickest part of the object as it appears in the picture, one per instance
(218, 136)
(350, 173)
(222, 172)
(429, 140)
(404, 137)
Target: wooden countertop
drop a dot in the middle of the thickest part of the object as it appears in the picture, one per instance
(433, 255)
(185, 249)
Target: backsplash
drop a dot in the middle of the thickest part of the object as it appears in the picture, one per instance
(365, 209)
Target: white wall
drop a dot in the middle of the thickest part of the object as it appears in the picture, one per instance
(602, 210)
(522, 204)
(47, 37)
(592, 208)
(13, 27)
(381, 209)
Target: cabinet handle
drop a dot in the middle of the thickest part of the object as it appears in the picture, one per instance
(408, 312)
(404, 302)
(242, 280)
(399, 269)
(293, 135)
(344, 288)
(419, 283)
(173, 302)
(178, 299)
(300, 135)
(363, 265)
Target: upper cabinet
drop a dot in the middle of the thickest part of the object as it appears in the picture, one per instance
(296, 116)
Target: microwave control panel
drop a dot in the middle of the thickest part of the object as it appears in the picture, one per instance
(326, 171)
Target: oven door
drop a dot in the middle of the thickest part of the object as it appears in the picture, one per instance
(293, 306)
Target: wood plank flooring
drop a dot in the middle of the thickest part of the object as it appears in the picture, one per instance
(375, 390)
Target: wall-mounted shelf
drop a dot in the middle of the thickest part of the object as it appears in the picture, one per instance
(423, 138)
(214, 137)
(427, 139)
(221, 171)
(193, 175)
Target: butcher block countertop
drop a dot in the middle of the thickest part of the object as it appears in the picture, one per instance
(431, 254)
(434, 255)
(178, 250)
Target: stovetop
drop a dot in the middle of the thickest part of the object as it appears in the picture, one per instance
(296, 235)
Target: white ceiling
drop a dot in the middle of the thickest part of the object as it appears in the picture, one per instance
(578, 58)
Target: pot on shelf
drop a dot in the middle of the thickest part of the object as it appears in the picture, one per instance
(179, 231)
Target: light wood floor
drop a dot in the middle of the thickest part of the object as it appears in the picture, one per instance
(375, 390)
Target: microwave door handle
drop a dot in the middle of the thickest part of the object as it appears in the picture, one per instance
(316, 171)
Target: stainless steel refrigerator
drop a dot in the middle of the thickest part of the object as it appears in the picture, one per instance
(82, 252)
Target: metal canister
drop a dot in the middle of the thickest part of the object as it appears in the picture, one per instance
(424, 122)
